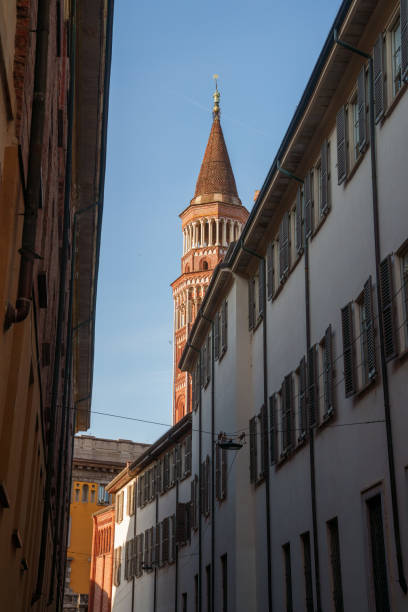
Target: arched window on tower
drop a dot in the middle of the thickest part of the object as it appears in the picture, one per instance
(206, 233)
(204, 265)
(187, 269)
(228, 231)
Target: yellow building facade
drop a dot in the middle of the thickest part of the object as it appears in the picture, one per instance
(96, 461)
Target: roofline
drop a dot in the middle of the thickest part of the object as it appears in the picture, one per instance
(155, 449)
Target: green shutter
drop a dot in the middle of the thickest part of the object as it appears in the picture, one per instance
(378, 78)
(299, 228)
(341, 145)
(387, 306)
(348, 349)
(361, 104)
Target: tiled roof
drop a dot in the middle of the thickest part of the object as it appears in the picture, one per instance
(216, 174)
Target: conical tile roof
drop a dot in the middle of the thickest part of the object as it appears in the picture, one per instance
(216, 174)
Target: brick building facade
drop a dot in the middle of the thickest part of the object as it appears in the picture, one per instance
(55, 60)
(100, 592)
(212, 221)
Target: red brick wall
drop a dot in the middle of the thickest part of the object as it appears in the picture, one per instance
(100, 591)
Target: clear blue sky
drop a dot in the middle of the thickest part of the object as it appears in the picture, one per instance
(164, 56)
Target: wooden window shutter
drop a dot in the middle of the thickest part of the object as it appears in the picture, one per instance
(208, 357)
(378, 78)
(368, 311)
(181, 523)
(299, 229)
(387, 306)
(187, 456)
(264, 441)
(348, 349)
(173, 537)
(341, 145)
(272, 429)
(224, 327)
(261, 286)
(204, 364)
(165, 540)
(284, 247)
(328, 370)
(147, 558)
(302, 396)
(308, 205)
(193, 501)
(207, 485)
(251, 304)
(361, 104)
(253, 469)
(217, 472)
(284, 420)
(128, 501)
(157, 556)
(139, 492)
(224, 473)
(404, 38)
(217, 336)
(269, 269)
(146, 486)
(313, 390)
(324, 178)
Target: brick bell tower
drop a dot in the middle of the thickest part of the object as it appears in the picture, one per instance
(213, 219)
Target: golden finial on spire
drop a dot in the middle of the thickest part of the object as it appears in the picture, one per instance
(216, 96)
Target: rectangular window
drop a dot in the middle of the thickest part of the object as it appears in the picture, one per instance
(299, 222)
(251, 303)
(302, 404)
(117, 561)
(313, 385)
(270, 269)
(328, 371)
(224, 328)
(196, 386)
(217, 335)
(334, 550)
(378, 62)
(396, 58)
(378, 558)
(288, 577)
(261, 287)
(272, 429)
(287, 414)
(307, 571)
(309, 204)
(347, 325)
(263, 421)
(187, 456)
(208, 584)
(387, 305)
(367, 335)
(224, 578)
(184, 602)
(404, 291)
(165, 540)
(284, 247)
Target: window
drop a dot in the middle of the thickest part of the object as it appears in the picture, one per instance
(396, 58)
(165, 528)
(206, 361)
(270, 269)
(196, 386)
(388, 307)
(284, 248)
(119, 506)
(184, 602)
(367, 337)
(302, 404)
(256, 296)
(307, 571)
(85, 490)
(287, 415)
(313, 385)
(334, 550)
(127, 560)
(327, 361)
(131, 499)
(258, 434)
(221, 331)
(187, 456)
(378, 62)
(348, 349)
(220, 473)
(351, 128)
(377, 550)
(92, 495)
(288, 577)
(117, 565)
(139, 555)
(253, 450)
(194, 503)
(273, 442)
(77, 490)
(298, 218)
(404, 292)
(224, 579)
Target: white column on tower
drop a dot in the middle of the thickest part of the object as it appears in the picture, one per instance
(224, 233)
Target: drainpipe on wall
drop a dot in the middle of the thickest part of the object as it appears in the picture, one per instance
(31, 196)
(177, 562)
(384, 372)
(212, 472)
(265, 396)
(311, 438)
(200, 499)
